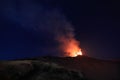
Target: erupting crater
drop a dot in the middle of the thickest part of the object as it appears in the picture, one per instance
(75, 53)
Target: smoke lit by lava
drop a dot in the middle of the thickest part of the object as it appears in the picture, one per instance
(70, 46)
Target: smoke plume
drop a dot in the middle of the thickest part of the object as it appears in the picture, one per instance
(55, 23)
(50, 24)
(64, 34)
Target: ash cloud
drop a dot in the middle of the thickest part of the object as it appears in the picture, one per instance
(47, 26)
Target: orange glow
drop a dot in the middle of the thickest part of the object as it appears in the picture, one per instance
(76, 53)
(71, 47)
(73, 50)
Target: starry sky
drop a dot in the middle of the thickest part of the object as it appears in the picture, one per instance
(27, 27)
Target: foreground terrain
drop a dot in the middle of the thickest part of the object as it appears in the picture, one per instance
(60, 68)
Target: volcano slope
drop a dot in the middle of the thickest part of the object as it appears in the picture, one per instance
(91, 68)
(60, 68)
(36, 70)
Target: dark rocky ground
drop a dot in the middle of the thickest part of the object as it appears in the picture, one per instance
(36, 70)
(60, 68)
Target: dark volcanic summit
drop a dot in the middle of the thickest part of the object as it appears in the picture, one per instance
(60, 68)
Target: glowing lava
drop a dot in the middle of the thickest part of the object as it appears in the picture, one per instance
(72, 48)
(75, 53)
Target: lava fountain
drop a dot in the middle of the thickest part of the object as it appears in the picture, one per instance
(65, 36)
(70, 46)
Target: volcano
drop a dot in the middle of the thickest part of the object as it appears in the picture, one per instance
(60, 68)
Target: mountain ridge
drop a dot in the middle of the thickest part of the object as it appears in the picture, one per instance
(89, 68)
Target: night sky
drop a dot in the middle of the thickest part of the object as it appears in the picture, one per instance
(26, 31)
